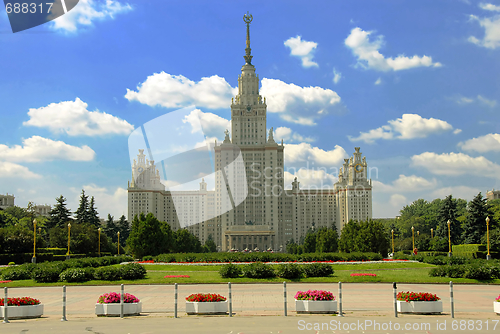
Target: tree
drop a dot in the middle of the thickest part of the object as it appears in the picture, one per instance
(82, 213)
(147, 236)
(475, 225)
(186, 242)
(291, 247)
(111, 229)
(210, 246)
(327, 240)
(124, 228)
(364, 236)
(59, 215)
(448, 212)
(16, 212)
(93, 214)
(310, 242)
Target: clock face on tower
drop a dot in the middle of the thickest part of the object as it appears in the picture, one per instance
(140, 169)
(358, 168)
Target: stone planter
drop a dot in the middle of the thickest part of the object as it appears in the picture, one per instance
(206, 307)
(113, 309)
(421, 307)
(316, 306)
(496, 307)
(22, 312)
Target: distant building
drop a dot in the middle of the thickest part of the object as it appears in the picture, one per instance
(6, 201)
(492, 194)
(43, 210)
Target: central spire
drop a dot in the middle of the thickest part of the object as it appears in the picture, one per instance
(248, 57)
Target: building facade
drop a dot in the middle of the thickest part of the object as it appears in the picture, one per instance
(6, 201)
(265, 216)
(492, 194)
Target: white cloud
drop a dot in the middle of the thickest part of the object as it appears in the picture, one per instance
(211, 125)
(455, 164)
(486, 143)
(302, 49)
(490, 7)
(176, 91)
(369, 56)
(405, 184)
(398, 201)
(336, 76)
(15, 171)
(489, 103)
(86, 12)
(107, 200)
(409, 126)
(310, 178)
(73, 118)
(301, 105)
(305, 152)
(457, 131)
(288, 135)
(378, 82)
(491, 25)
(467, 100)
(464, 192)
(38, 148)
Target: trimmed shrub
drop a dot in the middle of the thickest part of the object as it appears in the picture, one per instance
(318, 270)
(230, 270)
(258, 270)
(133, 271)
(479, 272)
(21, 272)
(289, 271)
(108, 273)
(76, 275)
(46, 273)
(455, 260)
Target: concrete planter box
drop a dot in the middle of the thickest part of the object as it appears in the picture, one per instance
(113, 309)
(496, 307)
(316, 306)
(23, 312)
(206, 307)
(422, 307)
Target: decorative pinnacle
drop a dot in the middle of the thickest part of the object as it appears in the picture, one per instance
(248, 18)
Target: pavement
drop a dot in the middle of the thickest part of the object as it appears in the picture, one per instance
(259, 308)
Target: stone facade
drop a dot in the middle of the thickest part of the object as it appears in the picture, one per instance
(492, 194)
(6, 201)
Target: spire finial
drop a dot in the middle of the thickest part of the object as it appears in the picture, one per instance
(248, 18)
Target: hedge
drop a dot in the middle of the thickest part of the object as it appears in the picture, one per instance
(469, 248)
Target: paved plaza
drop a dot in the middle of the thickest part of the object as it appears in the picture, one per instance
(259, 308)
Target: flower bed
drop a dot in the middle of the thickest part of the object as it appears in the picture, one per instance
(8, 281)
(108, 304)
(419, 302)
(496, 305)
(315, 301)
(206, 303)
(23, 307)
(176, 276)
(363, 274)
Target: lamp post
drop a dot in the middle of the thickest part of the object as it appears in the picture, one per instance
(118, 233)
(33, 259)
(432, 234)
(392, 232)
(413, 237)
(99, 246)
(488, 256)
(69, 237)
(449, 239)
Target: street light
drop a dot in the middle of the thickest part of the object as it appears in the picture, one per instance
(449, 238)
(413, 237)
(99, 247)
(69, 237)
(33, 260)
(488, 256)
(432, 235)
(392, 231)
(118, 242)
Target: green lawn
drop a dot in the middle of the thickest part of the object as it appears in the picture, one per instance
(411, 272)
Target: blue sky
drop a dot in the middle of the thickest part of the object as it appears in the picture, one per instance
(414, 84)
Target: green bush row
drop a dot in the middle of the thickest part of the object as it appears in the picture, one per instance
(263, 257)
(469, 248)
(20, 258)
(131, 271)
(288, 270)
(479, 270)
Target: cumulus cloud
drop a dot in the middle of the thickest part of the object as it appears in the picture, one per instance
(369, 56)
(301, 105)
(464, 192)
(112, 201)
(15, 171)
(211, 125)
(73, 118)
(491, 26)
(409, 126)
(455, 164)
(486, 143)
(481, 99)
(37, 148)
(398, 200)
(378, 81)
(86, 12)
(336, 76)
(302, 49)
(405, 184)
(176, 91)
(310, 178)
(305, 152)
(288, 135)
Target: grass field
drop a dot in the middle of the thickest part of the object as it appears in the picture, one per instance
(409, 272)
